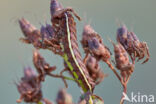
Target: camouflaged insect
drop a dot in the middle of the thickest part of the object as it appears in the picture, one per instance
(132, 45)
(65, 27)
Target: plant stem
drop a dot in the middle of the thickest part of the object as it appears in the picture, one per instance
(124, 91)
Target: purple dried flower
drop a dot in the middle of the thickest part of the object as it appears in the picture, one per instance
(29, 87)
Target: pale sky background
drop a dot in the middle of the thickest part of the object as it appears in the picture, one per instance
(138, 15)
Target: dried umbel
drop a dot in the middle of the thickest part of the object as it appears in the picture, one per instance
(29, 87)
(132, 45)
(92, 43)
(94, 69)
(63, 97)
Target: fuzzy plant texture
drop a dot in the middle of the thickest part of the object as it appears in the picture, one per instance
(60, 38)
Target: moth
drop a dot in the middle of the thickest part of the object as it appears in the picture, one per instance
(65, 28)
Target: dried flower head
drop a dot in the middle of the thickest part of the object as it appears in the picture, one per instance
(122, 59)
(63, 97)
(132, 45)
(29, 87)
(47, 32)
(92, 43)
(94, 69)
(32, 35)
(41, 65)
(44, 39)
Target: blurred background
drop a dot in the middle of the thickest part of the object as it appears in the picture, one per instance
(104, 15)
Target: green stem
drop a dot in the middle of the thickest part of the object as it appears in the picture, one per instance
(40, 102)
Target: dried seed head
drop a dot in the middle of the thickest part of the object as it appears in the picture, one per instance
(55, 6)
(47, 32)
(88, 30)
(41, 65)
(121, 58)
(29, 87)
(63, 97)
(132, 45)
(122, 34)
(26, 27)
(92, 43)
(32, 35)
(94, 69)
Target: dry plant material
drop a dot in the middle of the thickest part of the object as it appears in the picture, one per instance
(63, 97)
(93, 44)
(41, 65)
(60, 37)
(132, 45)
(35, 37)
(43, 68)
(32, 35)
(29, 87)
(94, 69)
